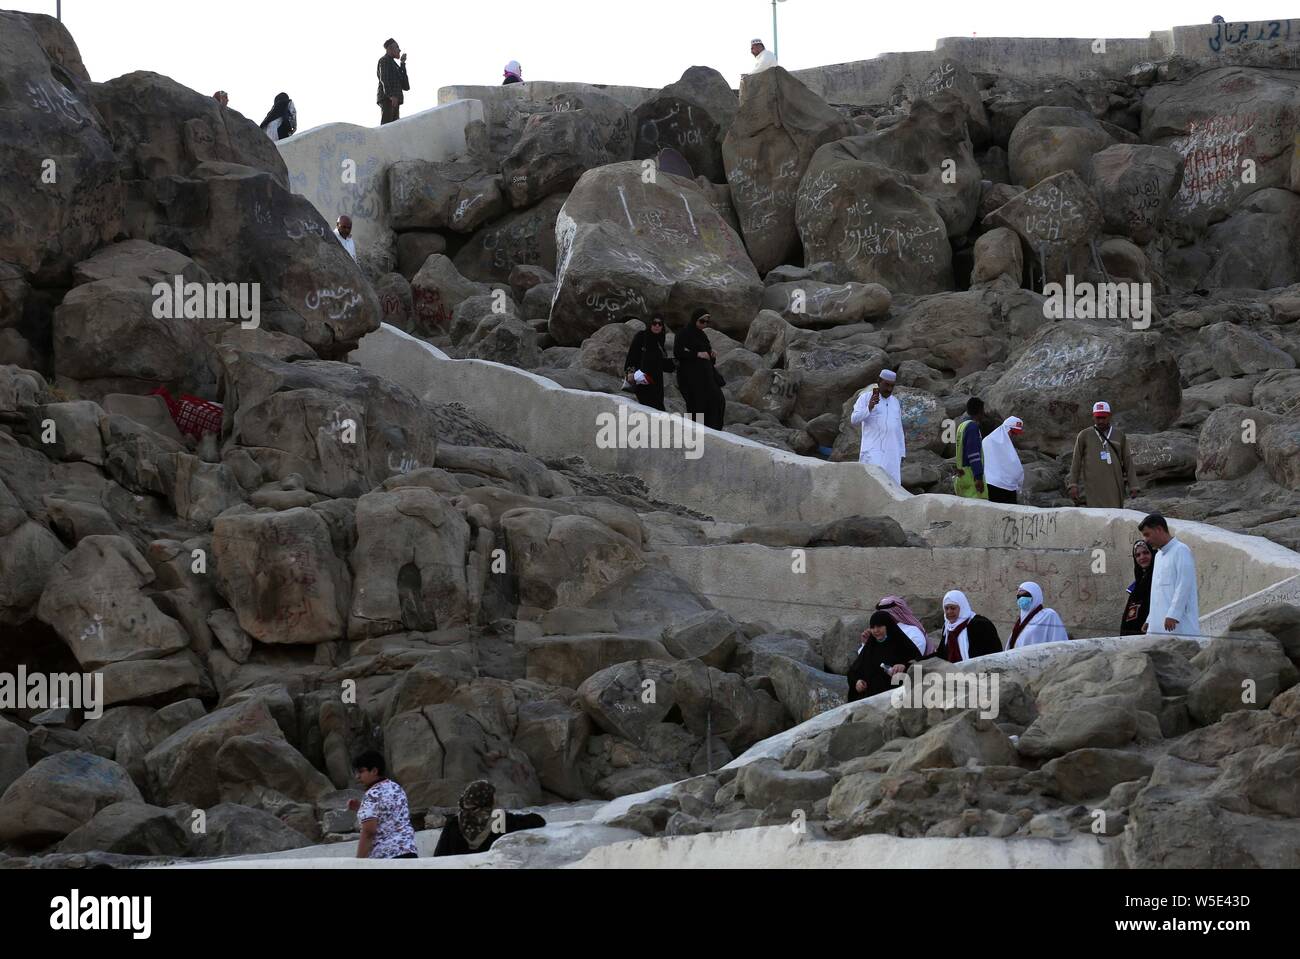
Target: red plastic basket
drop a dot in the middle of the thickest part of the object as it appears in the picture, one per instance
(192, 415)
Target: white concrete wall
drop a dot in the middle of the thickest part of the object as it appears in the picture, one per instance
(872, 81)
(780, 847)
(742, 481)
(495, 98)
(315, 159)
(758, 583)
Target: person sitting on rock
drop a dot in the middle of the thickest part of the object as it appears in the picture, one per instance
(885, 652)
(1004, 474)
(965, 634)
(1138, 606)
(764, 59)
(696, 377)
(282, 121)
(514, 73)
(222, 97)
(647, 362)
(479, 824)
(907, 621)
(384, 815)
(1037, 623)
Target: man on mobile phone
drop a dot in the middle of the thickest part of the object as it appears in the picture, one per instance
(392, 82)
(879, 415)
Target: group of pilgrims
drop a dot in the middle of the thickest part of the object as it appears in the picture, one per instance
(895, 637)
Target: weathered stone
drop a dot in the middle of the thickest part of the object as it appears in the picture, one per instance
(459, 196)
(778, 128)
(630, 249)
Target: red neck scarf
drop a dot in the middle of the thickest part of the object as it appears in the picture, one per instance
(954, 650)
(1022, 624)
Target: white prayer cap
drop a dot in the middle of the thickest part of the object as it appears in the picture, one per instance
(1014, 424)
(889, 376)
(754, 41)
(1100, 407)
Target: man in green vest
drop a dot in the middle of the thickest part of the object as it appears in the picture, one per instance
(969, 480)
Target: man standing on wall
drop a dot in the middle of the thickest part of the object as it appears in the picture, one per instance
(1103, 460)
(392, 81)
(880, 417)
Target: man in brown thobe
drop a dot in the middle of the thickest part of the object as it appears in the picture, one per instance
(1104, 461)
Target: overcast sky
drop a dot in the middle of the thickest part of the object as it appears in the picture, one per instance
(323, 52)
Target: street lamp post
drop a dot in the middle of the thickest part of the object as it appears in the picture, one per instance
(776, 47)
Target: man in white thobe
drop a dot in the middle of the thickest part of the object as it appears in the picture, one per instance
(1175, 607)
(343, 233)
(879, 414)
(764, 59)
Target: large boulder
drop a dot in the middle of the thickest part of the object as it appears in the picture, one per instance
(1051, 140)
(230, 829)
(1068, 366)
(242, 225)
(583, 131)
(108, 334)
(60, 794)
(409, 564)
(343, 430)
(951, 87)
(457, 195)
(69, 199)
(129, 829)
(1203, 119)
(1134, 184)
(183, 766)
(523, 238)
(1254, 248)
(778, 128)
(437, 751)
(812, 304)
(883, 205)
(628, 248)
(95, 601)
(691, 116)
(1237, 351)
(1057, 218)
(437, 289)
(564, 560)
(1280, 447)
(279, 573)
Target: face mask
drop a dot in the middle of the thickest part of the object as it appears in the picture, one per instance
(1025, 603)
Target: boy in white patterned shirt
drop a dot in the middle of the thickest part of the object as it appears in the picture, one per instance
(384, 816)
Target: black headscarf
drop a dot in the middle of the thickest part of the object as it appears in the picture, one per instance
(280, 111)
(895, 649)
(1138, 606)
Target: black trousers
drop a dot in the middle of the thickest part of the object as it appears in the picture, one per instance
(652, 395)
(389, 112)
(999, 495)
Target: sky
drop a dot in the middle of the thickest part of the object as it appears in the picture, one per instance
(323, 52)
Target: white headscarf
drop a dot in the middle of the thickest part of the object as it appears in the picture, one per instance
(514, 69)
(1046, 627)
(958, 598)
(1002, 466)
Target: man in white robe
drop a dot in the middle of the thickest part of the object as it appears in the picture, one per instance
(1037, 623)
(879, 414)
(764, 59)
(1004, 474)
(1175, 607)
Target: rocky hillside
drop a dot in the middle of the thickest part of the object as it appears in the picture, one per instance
(322, 562)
